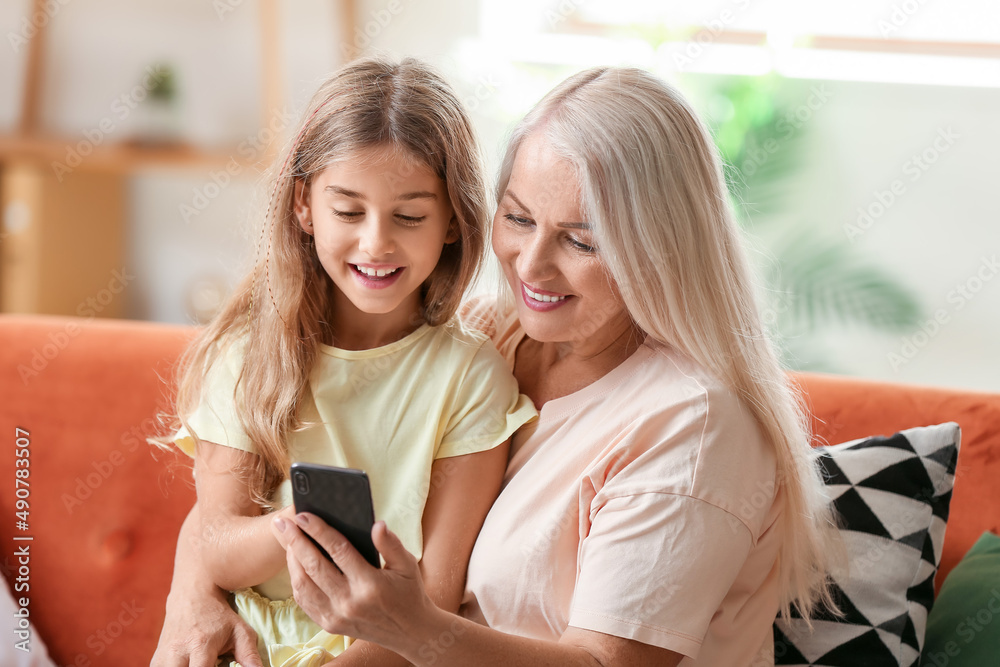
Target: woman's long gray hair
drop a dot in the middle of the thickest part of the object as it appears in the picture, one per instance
(652, 187)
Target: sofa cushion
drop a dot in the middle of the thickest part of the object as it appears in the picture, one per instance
(892, 496)
(964, 627)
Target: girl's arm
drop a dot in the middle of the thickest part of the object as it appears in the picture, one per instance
(238, 549)
(391, 607)
(462, 491)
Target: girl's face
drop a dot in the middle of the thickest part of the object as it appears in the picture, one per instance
(563, 291)
(380, 220)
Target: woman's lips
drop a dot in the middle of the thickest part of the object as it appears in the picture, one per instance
(542, 300)
(367, 275)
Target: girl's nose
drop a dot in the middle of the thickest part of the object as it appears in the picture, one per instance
(376, 239)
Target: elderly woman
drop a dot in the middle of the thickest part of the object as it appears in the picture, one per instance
(664, 506)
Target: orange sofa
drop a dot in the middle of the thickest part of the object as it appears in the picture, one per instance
(104, 508)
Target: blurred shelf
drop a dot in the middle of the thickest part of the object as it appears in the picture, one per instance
(63, 199)
(69, 154)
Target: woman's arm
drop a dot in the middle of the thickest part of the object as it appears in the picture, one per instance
(462, 491)
(392, 608)
(199, 624)
(238, 547)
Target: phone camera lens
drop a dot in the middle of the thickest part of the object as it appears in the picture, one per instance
(301, 482)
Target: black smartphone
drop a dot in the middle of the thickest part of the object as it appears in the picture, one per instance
(342, 497)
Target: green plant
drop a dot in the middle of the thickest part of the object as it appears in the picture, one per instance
(164, 83)
(814, 281)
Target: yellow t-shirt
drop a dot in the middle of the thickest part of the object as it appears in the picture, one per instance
(390, 411)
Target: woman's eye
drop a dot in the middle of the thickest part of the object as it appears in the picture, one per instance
(518, 220)
(410, 220)
(581, 246)
(347, 215)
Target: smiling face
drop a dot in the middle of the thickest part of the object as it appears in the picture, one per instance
(380, 220)
(563, 291)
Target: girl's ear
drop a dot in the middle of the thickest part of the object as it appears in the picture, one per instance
(453, 233)
(300, 205)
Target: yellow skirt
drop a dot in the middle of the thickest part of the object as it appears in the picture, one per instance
(286, 636)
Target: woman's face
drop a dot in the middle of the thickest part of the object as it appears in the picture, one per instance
(563, 291)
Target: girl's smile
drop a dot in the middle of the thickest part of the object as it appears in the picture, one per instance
(377, 277)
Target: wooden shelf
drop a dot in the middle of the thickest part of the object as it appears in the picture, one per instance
(119, 157)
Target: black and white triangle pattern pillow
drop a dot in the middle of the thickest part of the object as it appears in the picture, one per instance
(892, 495)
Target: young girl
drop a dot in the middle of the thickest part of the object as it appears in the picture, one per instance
(342, 347)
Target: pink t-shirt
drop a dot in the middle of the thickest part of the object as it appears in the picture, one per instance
(642, 506)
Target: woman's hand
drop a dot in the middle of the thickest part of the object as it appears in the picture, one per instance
(384, 606)
(198, 630)
(199, 625)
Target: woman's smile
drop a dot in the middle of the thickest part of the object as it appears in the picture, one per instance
(541, 300)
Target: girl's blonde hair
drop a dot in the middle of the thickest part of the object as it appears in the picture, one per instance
(652, 187)
(281, 312)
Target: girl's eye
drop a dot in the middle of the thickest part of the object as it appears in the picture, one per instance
(410, 220)
(518, 220)
(347, 215)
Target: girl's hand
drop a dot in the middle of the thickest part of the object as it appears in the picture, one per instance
(384, 606)
(286, 514)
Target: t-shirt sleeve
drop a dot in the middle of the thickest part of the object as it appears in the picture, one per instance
(215, 419)
(655, 568)
(488, 407)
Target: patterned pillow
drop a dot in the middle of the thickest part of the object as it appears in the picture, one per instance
(892, 495)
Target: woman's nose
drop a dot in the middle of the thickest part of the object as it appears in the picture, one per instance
(376, 239)
(535, 259)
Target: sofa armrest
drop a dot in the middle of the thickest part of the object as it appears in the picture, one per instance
(103, 512)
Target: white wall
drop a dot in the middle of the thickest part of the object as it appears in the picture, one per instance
(941, 233)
